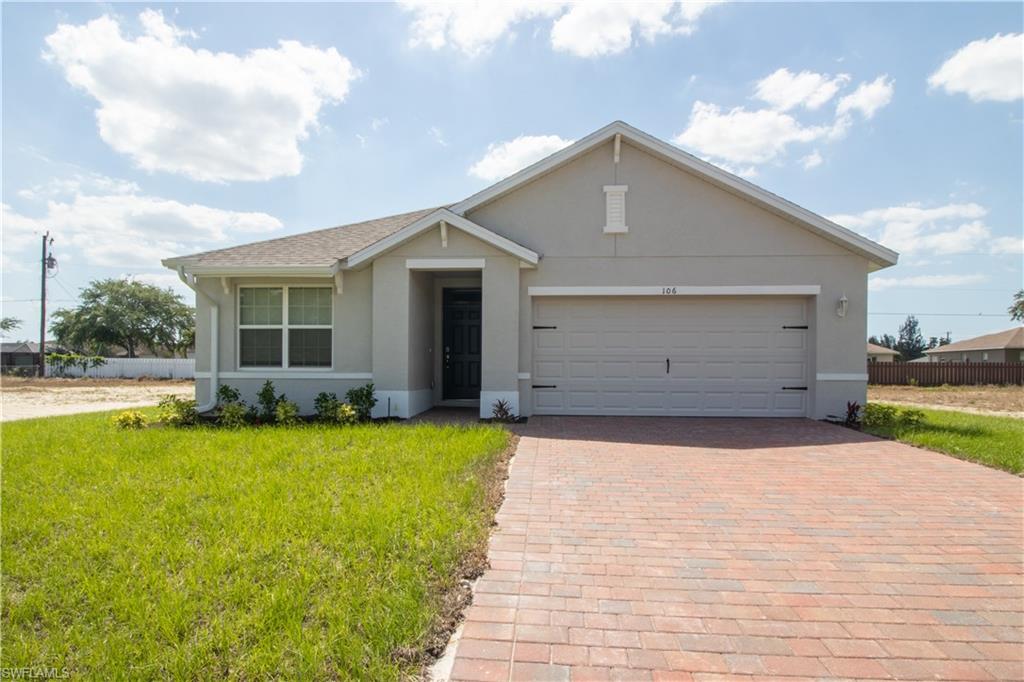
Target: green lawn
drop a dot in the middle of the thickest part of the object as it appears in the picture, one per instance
(994, 441)
(305, 552)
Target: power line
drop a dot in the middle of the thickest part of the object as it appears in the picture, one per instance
(946, 314)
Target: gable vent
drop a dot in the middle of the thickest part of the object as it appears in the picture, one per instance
(615, 209)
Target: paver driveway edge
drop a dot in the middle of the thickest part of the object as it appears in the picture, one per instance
(640, 548)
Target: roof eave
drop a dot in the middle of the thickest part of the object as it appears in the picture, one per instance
(200, 270)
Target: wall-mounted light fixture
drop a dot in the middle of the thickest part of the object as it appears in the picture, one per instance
(841, 307)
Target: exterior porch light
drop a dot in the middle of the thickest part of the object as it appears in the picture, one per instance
(842, 306)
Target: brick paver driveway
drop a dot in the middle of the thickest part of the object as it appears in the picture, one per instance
(633, 548)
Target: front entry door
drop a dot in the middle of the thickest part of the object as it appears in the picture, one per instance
(461, 325)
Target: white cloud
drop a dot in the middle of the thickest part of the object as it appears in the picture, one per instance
(812, 160)
(868, 98)
(78, 182)
(437, 135)
(923, 281)
(940, 230)
(378, 123)
(991, 69)
(130, 230)
(590, 29)
(742, 136)
(211, 116)
(596, 29)
(756, 136)
(505, 158)
(784, 90)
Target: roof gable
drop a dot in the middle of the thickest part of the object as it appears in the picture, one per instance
(877, 254)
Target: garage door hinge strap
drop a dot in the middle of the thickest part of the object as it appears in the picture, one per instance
(795, 326)
(542, 327)
(544, 386)
(794, 388)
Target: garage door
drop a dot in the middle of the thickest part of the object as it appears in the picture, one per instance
(713, 356)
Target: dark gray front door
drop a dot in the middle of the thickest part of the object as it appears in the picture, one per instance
(461, 325)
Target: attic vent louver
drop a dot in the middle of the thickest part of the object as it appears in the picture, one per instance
(615, 209)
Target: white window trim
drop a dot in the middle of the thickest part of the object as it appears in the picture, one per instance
(284, 327)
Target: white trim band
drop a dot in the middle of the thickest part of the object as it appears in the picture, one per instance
(824, 376)
(293, 374)
(677, 290)
(445, 263)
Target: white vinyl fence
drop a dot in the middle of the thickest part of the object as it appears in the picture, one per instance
(131, 368)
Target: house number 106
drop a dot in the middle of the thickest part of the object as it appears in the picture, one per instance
(668, 290)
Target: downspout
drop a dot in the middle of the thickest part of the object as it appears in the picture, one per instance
(190, 282)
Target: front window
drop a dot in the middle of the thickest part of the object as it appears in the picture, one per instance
(284, 327)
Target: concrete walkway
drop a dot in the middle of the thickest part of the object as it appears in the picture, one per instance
(676, 549)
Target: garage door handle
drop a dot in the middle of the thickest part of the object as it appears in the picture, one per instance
(539, 326)
(544, 386)
(668, 365)
(794, 326)
(794, 388)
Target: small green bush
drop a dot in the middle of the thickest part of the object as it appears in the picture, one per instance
(501, 412)
(176, 411)
(286, 413)
(129, 419)
(890, 417)
(362, 400)
(228, 394)
(233, 415)
(345, 414)
(326, 405)
(910, 418)
(267, 399)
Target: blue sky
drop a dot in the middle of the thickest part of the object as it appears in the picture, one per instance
(135, 132)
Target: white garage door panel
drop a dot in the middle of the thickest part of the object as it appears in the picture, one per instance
(727, 356)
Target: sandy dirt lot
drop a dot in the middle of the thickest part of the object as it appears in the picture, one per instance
(29, 398)
(1000, 400)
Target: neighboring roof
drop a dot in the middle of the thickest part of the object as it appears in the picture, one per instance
(875, 349)
(323, 250)
(881, 256)
(15, 347)
(1010, 338)
(320, 248)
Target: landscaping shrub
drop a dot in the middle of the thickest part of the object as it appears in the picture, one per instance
(502, 412)
(889, 416)
(286, 413)
(267, 399)
(852, 419)
(345, 414)
(228, 394)
(362, 400)
(129, 419)
(176, 411)
(326, 405)
(233, 415)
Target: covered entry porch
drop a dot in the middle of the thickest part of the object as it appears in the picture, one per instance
(446, 321)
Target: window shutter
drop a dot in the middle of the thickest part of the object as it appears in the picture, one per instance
(615, 209)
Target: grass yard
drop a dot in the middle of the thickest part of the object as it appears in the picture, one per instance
(305, 552)
(994, 441)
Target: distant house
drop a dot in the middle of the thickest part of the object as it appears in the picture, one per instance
(878, 353)
(18, 355)
(1004, 346)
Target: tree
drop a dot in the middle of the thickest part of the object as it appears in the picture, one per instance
(9, 324)
(885, 340)
(125, 313)
(1017, 309)
(911, 343)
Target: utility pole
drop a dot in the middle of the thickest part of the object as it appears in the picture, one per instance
(45, 263)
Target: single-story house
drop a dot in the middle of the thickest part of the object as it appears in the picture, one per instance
(878, 353)
(618, 276)
(18, 354)
(1004, 346)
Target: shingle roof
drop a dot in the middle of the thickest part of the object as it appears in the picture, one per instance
(317, 248)
(1010, 338)
(875, 349)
